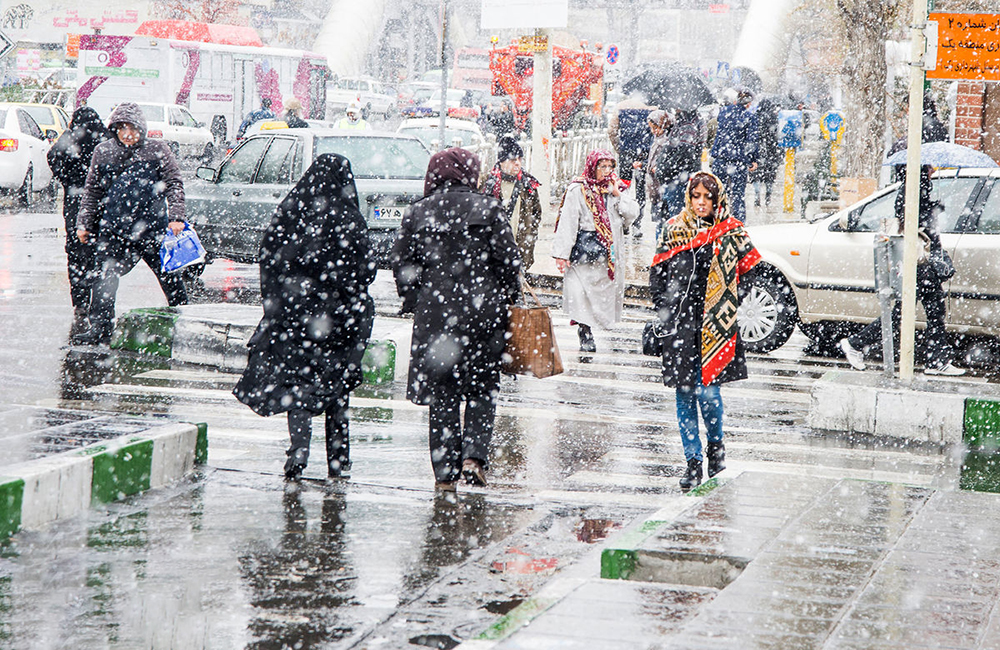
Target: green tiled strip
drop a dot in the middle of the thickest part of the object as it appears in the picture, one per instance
(201, 446)
(619, 563)
(11, 498)
(121, 472)
(516, 618)
(149, 330)
(981, 425)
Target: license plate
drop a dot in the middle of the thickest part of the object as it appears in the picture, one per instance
(389, 213)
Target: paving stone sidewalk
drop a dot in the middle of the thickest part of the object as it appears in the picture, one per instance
(772, 561)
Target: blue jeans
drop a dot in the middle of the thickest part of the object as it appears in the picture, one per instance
(688, 400)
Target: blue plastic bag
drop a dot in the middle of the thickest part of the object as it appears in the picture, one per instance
(179, 251)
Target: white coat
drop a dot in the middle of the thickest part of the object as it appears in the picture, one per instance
(589, 295)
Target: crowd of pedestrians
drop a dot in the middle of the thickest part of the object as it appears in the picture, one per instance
(459, 261)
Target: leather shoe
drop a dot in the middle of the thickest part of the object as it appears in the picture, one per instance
(472, 472)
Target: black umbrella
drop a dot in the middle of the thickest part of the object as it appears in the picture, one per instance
(670, 86)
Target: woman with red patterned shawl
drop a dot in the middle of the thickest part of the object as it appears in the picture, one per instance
(593, 212)
(701, 256)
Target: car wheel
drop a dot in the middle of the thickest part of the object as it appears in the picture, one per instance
(24, 194)
(767, 313)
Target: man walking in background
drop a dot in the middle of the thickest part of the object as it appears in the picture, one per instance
(734, 151)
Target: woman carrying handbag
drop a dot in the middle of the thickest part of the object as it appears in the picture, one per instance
(588, 246)
(700, 259)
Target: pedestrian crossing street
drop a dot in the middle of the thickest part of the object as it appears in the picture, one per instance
(606, 426)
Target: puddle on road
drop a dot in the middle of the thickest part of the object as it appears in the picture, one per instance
(501, 607)
(440, 641)
(591, 531)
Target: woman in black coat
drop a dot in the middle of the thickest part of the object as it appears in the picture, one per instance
(456, 264)
(305, 356)
(69, 159)
(701, 256)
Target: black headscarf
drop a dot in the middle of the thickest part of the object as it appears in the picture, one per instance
(70, 156)
(455, 166)
(318, 232)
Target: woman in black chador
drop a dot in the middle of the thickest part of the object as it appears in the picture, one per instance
(305, 356)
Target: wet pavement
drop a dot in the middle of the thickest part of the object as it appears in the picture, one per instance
(234, 558)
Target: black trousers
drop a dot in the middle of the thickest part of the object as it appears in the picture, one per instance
(636, 176)
(80, 257)
(338, 446)
(113, 264)
(931, 296)
(450, 444)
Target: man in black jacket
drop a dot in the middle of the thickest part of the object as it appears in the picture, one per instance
(133, 184)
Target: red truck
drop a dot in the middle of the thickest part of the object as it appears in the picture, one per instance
(576, 75)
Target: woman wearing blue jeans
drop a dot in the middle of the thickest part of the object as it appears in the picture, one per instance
(701, 256)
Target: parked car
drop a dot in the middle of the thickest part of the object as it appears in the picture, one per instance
(820, 275)
(24, 169)
(368, 93)
(461, 103)
(231, 206)
(188, 137)
(49, 117)
(457, 133)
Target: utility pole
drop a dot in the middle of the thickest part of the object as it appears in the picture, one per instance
(541, 115)
(444, 74)
(912, 210)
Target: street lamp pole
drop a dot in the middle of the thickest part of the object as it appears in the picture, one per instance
(912, 210)
(444, 74)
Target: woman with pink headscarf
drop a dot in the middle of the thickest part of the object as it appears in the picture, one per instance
(588, 246)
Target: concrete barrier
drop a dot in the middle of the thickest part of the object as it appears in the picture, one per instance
(216, 335)
(928, 410)
(38, 492)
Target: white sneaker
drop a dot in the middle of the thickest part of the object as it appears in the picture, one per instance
(949, 370)
(854, 357)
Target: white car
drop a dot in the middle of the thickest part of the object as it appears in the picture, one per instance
(174, 123)
(367, 93)
(820, 275)
(24, 168)
(455, 100)
(457, 133)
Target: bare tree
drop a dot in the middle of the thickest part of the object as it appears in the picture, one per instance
(865, 25)
(203, 11)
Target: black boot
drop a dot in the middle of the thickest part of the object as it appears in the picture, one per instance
(97, 334)
(80, 322)
(692, 478)
(587, 343)
(716, 454)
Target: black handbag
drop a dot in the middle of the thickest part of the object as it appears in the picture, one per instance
(942, 265)
(653, 338)
(588, 248)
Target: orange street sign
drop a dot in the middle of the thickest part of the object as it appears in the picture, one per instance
(72, 46)
(968, 46)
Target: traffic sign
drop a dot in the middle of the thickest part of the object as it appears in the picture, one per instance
(6, 45)
(612, 54)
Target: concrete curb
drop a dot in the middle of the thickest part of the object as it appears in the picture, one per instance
(196, 335)
(943, 412)
(41, 491)
(619, 562)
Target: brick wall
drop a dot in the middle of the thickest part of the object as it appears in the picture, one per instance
(969, 114)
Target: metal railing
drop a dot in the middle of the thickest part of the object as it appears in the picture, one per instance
(567, 154)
